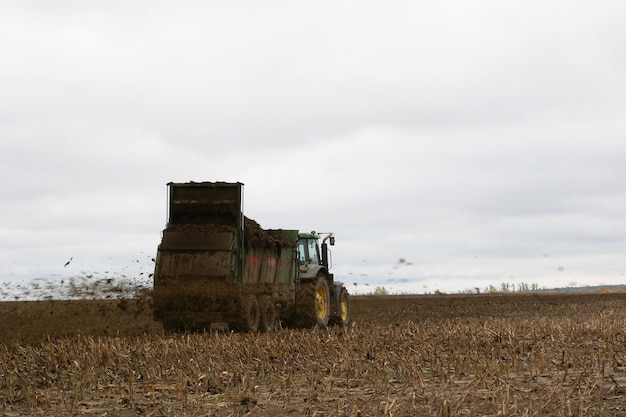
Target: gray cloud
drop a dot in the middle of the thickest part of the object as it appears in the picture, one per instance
(438, 132)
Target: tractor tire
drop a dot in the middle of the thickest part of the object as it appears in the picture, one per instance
(313, 303)
(343, 312)
(249, 316)
(268, 320)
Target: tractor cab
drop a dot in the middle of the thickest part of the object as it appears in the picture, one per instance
(309, 253)
(308, 249)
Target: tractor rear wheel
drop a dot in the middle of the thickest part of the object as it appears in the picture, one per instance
(313, 303)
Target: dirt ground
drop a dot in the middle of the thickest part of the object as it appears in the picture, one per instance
(36, 321)
(439, 355)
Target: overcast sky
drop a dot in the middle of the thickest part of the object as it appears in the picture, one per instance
(479, 141)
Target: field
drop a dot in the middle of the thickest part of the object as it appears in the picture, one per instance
(437, 355)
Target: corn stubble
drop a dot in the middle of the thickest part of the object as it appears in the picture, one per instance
(548, 355)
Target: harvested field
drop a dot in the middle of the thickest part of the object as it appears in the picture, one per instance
(490, 355)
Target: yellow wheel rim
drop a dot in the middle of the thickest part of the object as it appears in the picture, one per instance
(343, 306)
(321, 301)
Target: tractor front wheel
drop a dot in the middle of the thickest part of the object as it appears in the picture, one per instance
(343, 316)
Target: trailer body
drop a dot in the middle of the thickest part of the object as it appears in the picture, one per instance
(214, 266)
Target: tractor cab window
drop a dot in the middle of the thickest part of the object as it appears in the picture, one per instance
(308, 251)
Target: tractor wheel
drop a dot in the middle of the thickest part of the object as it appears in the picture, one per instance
(249, 317)
(268, 322)
(343, 313)
(313, 303)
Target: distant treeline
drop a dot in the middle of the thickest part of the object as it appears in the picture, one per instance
(524, 287)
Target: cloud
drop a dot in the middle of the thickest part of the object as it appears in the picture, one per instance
(435, 132)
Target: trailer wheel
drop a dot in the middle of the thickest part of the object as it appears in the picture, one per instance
(171, 326)
(268, 321)
(249, 317)
(313, 303)
(343, 309)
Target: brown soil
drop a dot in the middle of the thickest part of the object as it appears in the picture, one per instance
(526, 355)
(29, 322)
(256, 236)
(36, 321)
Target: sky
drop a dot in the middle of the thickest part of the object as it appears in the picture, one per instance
(447, 144)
